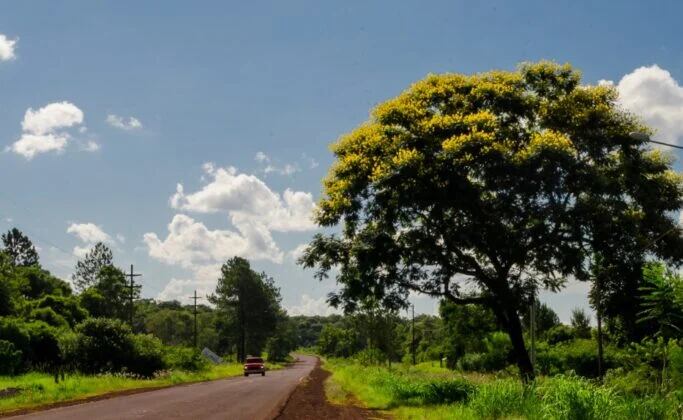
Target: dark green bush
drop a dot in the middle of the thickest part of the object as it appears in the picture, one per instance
(559, 334)
(10, 358)
(185, 358)
(496, 357)
(66, 306)
(103, 345)
(48, 316)
(579, 356)
(147, 356)
(45, 353)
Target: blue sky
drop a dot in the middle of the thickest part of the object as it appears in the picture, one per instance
(220, 82)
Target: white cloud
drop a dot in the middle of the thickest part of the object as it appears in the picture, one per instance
(310, 306)
(190, 244)
(7, 47)
(203, 280)
(30, 145)
(51, 117)
(91, 146)
(120, 122)
(248, 200)
(88, 232)
(297, 252)
(268, 167)
(654, 95)
(42, 129)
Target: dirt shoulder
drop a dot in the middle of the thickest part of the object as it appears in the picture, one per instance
(309, 402)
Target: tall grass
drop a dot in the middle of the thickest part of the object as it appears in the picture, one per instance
(430, 394)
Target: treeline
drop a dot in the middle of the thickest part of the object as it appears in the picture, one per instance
(470, 338)
(46, 325)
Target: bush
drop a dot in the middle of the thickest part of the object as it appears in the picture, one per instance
(370, 357)
(10, 358)
(496, 357)
(579, 356)
(68, 307)
(103, 345)
(44, 343)
(147, 356)
(48, 316)
(559, 334)
(185, 358)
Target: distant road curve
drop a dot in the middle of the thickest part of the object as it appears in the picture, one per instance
(254, 397)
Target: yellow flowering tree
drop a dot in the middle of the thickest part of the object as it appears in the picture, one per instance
(484, 188)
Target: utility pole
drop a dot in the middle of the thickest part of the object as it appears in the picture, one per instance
(132, 287)
(195, 297)
(532, 328)
(598, 313)
(412, 340)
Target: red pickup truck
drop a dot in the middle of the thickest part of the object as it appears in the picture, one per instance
(254, 365)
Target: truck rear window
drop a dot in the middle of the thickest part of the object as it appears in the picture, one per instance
(254, 360)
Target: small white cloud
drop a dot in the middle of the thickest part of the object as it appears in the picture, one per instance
(121, 238)
(654, 95)
(88, 232)
(297, 252)
(310, 306)
(43, 129)
(261, 157)
(203, 281)
(7, 47)
(131, 123)
(30, 145)
(269, 167)
(91, 146)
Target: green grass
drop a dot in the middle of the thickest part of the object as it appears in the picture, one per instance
(425, 392)
(40, 389)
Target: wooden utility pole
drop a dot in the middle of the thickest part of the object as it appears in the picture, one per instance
(132, 287)
(412, 340)
(195, 297)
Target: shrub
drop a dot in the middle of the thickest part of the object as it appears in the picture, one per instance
(44, 343)
(559, 334)
(68, 307)
(10, 358)
(579, 356)
(496, 357)
(48, 316)
(14, 331)
(370, 357)
(103, 345)
(185, 358)
(147, 355)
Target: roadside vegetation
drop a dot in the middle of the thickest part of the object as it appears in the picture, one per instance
(58, 344)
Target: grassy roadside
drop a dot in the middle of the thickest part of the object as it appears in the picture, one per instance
(38, 389)
(426, 392)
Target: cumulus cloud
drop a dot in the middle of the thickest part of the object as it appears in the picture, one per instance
(190, 244)
(91, 146)
(310, 306)
(297, 252)
(654, 95)
(43, 129)
(203, 280)
(7, 47)
(248, 200)
(131, 123)
(89, 234)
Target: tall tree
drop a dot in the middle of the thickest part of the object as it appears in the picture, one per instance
(581, 323)
(505, 180)
(250, 304)
(88, 268)
(20, 249)
(110, 296)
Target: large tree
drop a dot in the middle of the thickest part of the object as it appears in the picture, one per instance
(20, 249)
(484, 188)
(88, 268)
(249, 303)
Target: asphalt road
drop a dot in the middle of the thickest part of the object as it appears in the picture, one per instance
(253, 397)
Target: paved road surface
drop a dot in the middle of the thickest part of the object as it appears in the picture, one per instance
(255, 397)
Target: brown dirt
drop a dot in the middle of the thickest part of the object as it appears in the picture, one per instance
(308, 402)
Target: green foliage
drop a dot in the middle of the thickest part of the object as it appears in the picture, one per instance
(110, 296)
(49, 316)
(663, 300)
(103, 345)
(10, 358)
(465, 327)
(559, 334)
(172, 326)
(579, 356)
(249, 304)
(499, 399)
(66, 306)
(337, 342)
(496, 355)
(545, 317)
(283, 341)
(185, 358)
(147, 355)
(88, 269)
(581, 323)
(19, 248)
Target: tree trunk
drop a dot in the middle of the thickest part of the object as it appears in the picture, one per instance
(510, 320)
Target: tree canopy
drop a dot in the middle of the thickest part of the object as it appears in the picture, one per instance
(19, 248)
(484, 188)
(88, 268)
